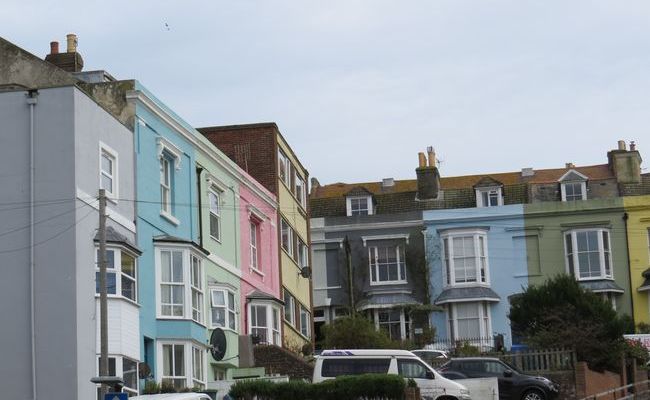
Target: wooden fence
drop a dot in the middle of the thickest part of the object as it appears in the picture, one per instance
(540, 361)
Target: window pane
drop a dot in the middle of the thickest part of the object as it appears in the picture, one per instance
(218, 317)
(218, 298)
(111, 285)
(107, 183)
(168, 358)
(130, 373)
(128, 265)
(165, 266)
(179, 360)
(177, 272)
(128, 287)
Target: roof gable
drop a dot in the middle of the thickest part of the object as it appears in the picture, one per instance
(573, 175)
(487, 181)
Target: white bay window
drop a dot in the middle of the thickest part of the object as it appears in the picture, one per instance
(465, 258)
(588, 254)
(121, 276)
(469, 321)
(179, 275)
(181, 363)
(264, 322)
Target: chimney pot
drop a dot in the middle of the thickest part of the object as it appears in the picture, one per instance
(432, 156)
(72, 43)
(527, 172)
(621, 144)
(422, 160)
(54, 47)
(632, 146)
(569, 165)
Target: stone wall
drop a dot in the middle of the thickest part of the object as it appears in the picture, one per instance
(277, 360)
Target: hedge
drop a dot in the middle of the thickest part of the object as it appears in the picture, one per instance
(342, 388)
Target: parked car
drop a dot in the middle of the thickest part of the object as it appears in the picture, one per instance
(333, 363)
(513, 384)
(432, 357)
(172, 396)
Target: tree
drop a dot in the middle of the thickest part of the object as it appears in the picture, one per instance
(560, 313)
(354, 333)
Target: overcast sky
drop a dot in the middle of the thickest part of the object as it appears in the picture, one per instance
(359, 87)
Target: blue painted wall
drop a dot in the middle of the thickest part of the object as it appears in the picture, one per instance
(507, 260)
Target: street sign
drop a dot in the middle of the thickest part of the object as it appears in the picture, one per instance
(116, 396)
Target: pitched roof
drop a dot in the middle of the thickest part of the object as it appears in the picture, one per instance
(339, 189)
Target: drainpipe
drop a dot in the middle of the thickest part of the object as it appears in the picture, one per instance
(32, 97)
(629, 267)
(199, 172)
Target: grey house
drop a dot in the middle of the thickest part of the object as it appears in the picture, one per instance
(368, 251)
(57, 148)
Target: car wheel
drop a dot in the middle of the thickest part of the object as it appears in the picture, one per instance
(533, 394)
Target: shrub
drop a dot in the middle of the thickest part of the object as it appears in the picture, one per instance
(167, 387)
(151, 387)
(354, 333)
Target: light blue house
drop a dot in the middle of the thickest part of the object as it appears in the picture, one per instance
(171, 275)
(477, 260)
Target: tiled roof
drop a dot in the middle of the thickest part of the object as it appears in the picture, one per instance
(593, 172)
(460, 294)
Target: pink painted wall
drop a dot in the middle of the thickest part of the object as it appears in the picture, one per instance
(269, 281)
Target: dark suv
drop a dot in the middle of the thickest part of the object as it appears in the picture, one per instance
(513, 385)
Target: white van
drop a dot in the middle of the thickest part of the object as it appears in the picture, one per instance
(433, 386)
(172, 396)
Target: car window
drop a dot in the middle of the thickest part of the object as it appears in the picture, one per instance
(495, 367)
(472, 366)
(333, 367)
(411, 369)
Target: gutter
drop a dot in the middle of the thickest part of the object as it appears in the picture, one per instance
(32, 97)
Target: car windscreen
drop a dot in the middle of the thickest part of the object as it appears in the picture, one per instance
(333, 367)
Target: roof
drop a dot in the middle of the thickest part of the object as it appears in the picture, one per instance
(601, 286)
(114, 237)
(259, 295)
(365, 352)
(339, 189)
(386, 300)
(464, 294)
(174, 239)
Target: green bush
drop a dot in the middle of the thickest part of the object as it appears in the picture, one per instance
(342, 388)
(354, 333)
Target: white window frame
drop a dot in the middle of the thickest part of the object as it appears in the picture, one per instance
(116, 270)
(373, 261)
(290, 237)
(274, 322)
(169, 152)
(216, 193)
(300, 190)
(601, 250)
(583, 190)
(284, 168)
(254, 245)
(489, 190)
(111, 155)
(289, 301)
(305, 324)
(166, 186)
(348, 205)
(481, 257)
(196, 288)
(189, 348)
(403, 321)
(484, 321)
(119, 371)
(303, 254)
(230, 309)
(188, 288)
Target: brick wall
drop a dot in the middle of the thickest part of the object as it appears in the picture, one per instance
(590, 382)
(567, 382)
(277, 360)
(252, 147)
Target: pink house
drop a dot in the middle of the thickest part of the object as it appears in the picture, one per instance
(260, 273)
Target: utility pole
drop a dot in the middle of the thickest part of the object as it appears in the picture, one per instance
(348, 261)
(103, 293)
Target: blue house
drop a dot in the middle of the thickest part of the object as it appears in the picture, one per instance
(477, 260)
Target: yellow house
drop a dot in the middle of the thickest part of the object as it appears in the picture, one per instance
(638, 232)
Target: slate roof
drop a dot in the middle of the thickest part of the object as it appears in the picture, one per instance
(259, 295)
(114, 237)
(386, 300)
(461, 294)
(602, 285)
(174, 239)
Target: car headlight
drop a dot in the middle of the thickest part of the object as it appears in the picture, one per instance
(464, 394)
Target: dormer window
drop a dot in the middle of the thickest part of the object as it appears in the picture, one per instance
(359, 205)
(489, 197)
(573, 186)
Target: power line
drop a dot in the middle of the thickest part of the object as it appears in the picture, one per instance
(41, 221)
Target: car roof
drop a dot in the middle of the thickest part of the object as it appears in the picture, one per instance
(365, 352)
(475, 359)
(172, 396)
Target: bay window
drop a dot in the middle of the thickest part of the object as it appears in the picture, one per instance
(123, 367)
(179, 275)
(588, 254)
(196, 273)
(121, 277)
(469, 321)
(181, 363)
(264, 322)
(387, 264)
(465, 258)
(394, 321)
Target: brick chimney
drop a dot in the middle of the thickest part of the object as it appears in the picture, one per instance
(626, 164)
(428, 176)
(71, 60)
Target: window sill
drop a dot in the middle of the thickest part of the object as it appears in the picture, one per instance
(170, 217)
(224, 329)
(257, 271)
(121, 298)
(468, 284)
(111, 198)
(595, 278)
(404, 282)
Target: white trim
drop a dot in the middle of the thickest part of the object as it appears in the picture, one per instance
(117, 271)
(165, 145)
(404, 236)
(188, 345)
(489, 189)
(235, 307)
(572, 233)
(583, 189)
(563, 177)
(448, 259)
(484, 332)
(348, 204)
(327, 288)
(208, 150)
(399, 264)
(112, 214)
(104, 148)
(173, 220)
(224, 264)
(270, 306)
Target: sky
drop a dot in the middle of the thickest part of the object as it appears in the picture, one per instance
(359, 87)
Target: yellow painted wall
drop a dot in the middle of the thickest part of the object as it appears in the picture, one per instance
(638, 224)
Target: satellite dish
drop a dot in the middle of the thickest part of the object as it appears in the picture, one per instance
(218, 344)
(305, 272)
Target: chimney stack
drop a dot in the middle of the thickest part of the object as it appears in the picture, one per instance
(569, 165)
(626, 165)
(387, 183)
(428, 178)
(71, 60)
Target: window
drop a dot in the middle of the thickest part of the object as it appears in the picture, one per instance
(588, 253)
(287, 237)
(394, 321)
(127, 369)
(413, 369)
(223, 309)
(289, 308)
(166, 185)
(465, 257)
(120, 274)
(254, 251)
(303, 254)
(197, 288)
(108, 171)
(264, 322)
(359, 206)
(182, 364)
(572, 191)
(387, 264)
(301, 191)
(284, 168)
(469, 321)
(214, 198)
(333, 367)
(180, 284)
(305, 321)
(489, 197)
